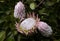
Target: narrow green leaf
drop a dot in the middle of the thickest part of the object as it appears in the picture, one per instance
(1, 21)
(2, 36)
(1, 0)
(49, 3)
(42, 11)
(10, 38)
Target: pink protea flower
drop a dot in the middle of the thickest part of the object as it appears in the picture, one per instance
(28, 26)
(19, 11)
(31, 23)
(45, 29)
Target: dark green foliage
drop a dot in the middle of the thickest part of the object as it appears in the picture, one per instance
(48, 11)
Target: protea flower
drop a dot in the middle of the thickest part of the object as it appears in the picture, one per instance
(45, 29)
(19, 11)
(28, 26)
(31, 24)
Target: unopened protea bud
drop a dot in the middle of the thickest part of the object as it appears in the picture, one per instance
(45, 29)
(19, 11)
(27, 26)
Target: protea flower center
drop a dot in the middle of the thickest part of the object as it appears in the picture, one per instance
(28, 25)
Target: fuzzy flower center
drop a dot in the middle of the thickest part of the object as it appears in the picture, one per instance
(28, 24)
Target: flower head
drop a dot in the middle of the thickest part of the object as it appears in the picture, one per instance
(45, 29)
(28, 26)
(31, 24)
(19, 11)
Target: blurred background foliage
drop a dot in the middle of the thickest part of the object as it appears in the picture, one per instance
(48, 11)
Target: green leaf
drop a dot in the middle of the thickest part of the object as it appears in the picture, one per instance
(2, 36)
(1, 21)
(42, 11)
(10, 38)
(58, 0)
(32, 6)
(49, 3)
(57, 40)
(1, 0)
(15, 32)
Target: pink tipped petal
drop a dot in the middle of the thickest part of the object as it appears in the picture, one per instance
(30, 14)
(33, 15)
(27, 15)
(17, 27)
(37, 18)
